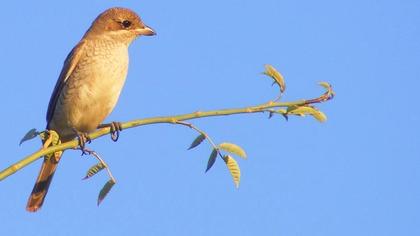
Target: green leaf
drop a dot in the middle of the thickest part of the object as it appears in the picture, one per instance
(105, 190)
(325, 85)
(320, 116)
(307, 110)
(276, 76)
(212, 159)
(197, 141)
(330, 93)
(234, 170)
(29, 135)
(233, 148)
(94, 170)
(299, 110)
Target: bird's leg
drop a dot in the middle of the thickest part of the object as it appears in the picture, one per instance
(115, 128)
(83, 139)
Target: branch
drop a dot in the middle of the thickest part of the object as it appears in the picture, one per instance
(154, 120)
(299, 107)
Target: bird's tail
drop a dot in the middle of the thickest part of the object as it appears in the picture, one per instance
(43, 181)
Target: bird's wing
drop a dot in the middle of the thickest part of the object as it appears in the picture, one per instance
(69, 65)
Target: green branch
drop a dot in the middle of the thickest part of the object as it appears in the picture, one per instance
(299, 107)
(148, 121)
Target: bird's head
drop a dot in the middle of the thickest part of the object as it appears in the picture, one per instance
(120, 24)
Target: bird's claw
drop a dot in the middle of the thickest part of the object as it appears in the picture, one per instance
(83, 139)
(114, 129)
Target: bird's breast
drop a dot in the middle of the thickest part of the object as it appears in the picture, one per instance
(92, 90)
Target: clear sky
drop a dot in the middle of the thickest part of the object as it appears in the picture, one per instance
(356, 174)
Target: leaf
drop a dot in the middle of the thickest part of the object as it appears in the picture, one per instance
(299, 110)
(276, 76)
(330, 93)
(94, 170)
(197, 141)
(325, 85)
(29, 135)
(233, 148)
(212, 159)
(307, 110)
(233, 168)
(105, 190)
(320, 116)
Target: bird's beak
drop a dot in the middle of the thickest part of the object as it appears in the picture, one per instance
(146, 31)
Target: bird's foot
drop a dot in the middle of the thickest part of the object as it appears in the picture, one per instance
(83, 140)
(115, 129)
(87, 151)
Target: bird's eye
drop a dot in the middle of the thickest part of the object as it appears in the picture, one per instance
(126, 23)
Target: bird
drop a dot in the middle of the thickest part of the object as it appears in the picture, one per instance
(89, 85)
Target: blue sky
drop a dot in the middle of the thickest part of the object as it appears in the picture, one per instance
(356, 174)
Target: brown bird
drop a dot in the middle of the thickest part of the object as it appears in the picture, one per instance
(89, 85)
